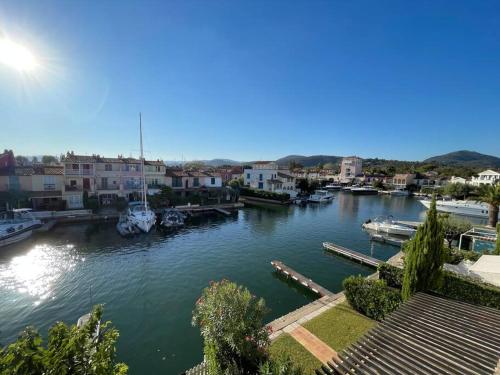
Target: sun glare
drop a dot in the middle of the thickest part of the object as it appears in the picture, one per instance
(16, 56)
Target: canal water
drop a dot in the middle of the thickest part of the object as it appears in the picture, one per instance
(149, 284)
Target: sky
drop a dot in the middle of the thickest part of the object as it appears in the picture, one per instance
(256, 79)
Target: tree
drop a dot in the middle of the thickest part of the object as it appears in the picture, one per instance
(48, 159)
(22, 160)
(231, 323)
(491, 194)
(378, 184)
(458, 190)
(453, 228)
(88, 350)
(497, 247)
(424, 256)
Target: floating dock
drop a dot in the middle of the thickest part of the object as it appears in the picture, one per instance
(351, 254)
(411, 224)
(300, 279)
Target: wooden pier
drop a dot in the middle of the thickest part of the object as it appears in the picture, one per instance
(351, 254)
(300, 279)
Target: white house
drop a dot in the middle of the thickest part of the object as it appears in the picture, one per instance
(350, 167)
(458, 180)
(487, 177)
(266, 175)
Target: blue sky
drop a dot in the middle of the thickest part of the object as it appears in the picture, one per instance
(254, 79)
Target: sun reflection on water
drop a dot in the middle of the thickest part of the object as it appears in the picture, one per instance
(37, 272)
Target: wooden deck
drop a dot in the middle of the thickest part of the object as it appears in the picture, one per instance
(351, 254)
(426, 335)
(300, 279)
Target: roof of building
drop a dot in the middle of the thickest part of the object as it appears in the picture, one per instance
(37, 169)
(273, 181)
(284, 175)
(426, 335)
(72, 158)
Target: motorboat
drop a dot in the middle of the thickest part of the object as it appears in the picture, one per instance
(17, 225)
(333, 187)
(364, 190)
(172, 218)
(399, 193)
(387, 225)
(138, 213)
(321, 196)
(459, 207)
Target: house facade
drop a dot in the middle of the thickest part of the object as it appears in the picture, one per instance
(487, 177)
(403, 180)
(186, 183)
(269, 177)
(350, 167)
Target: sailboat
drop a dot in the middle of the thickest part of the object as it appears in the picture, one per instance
(139, 215)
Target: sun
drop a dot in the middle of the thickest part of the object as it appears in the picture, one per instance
(16, 56)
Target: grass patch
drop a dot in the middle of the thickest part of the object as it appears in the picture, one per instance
(286, 345)
(340, 326)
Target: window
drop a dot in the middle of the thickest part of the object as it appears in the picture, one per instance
(75, 166)
(212, 181)
(72, 183)
(196, 181)
(248, 176)
(108, 167)
(261, 185)
(260, 177)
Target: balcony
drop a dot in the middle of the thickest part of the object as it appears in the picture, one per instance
(79, 172)
(49, 187)
(72, 188)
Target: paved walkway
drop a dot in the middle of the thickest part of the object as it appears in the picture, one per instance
(313, 344)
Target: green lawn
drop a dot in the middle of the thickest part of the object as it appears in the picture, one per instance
(286, 344)
(339, 326)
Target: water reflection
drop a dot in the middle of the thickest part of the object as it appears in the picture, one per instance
(36, 272)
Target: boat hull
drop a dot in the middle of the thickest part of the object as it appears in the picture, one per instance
(15, 237)
(460, 208)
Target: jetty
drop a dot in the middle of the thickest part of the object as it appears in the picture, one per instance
(300, 279)
(411, 224)
(351, 254)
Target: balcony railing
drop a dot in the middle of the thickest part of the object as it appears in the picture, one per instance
(79, 172)
(49, 187)
(73, 188)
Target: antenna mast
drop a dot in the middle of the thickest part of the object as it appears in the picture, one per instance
(142, 165)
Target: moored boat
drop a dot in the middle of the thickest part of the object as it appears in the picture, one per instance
(17, 225)
(399, 193)
(466, 208)
(387, 225)
(172, 218)
(333, 187)
(364, 190)
(321, 196)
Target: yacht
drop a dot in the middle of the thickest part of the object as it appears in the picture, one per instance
(172, 218)
(364, 190)
(399, 193)
(17, 225)
(139, 214)
(321, 196)
(467, 208)
(387, 225)
(333, 187)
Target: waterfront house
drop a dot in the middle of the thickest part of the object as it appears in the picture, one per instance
(350, 167)
(228, 174)
(79, 176)
(266, 175)
(186, 183)
(41, 184)
(403, 180)
(487, 177)
(458, 180)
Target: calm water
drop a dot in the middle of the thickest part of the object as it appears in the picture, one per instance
(149, 284)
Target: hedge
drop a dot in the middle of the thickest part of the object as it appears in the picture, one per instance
(371, 297)
(452, 286)
(282, 197)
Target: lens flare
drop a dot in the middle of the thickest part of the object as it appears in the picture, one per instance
(16, 56)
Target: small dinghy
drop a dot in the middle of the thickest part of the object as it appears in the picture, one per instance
(172, 218)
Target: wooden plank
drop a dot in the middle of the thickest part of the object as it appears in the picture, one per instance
(351, 254)
(300, 279)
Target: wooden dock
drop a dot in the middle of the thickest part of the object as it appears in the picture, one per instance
(300, 279)
(411, 224)
(351, 254)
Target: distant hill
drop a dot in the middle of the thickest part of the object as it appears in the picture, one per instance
(211, 162)
(466, 159)
(309, 161)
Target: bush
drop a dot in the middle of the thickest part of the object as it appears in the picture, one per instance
(455, 256)
(469, 290)
(393, 276)
(452, 286)
(282, 197)
(282, 365)
(497, 247)
(371, 297)
(121, 203)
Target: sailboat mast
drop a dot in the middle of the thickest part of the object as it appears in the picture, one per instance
(142, 164)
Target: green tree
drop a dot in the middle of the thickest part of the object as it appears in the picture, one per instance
(48, 159)
(453, 228)
(491, 194)
(497, 247)
(458, 190)
(231, 323)
(88, 350)
(22, 160)
(424, 256)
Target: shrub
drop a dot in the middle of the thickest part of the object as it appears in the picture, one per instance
(469, 290)
(497, 247)
(452, 286)
(282, 365)
(371, 297)
(282, 197)
(231, 323)
(455, 256)
(393, 276)
(121, 203)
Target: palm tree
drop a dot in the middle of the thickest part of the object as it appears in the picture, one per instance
(491, 194)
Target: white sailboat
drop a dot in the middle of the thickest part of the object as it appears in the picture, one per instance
(139, 214)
